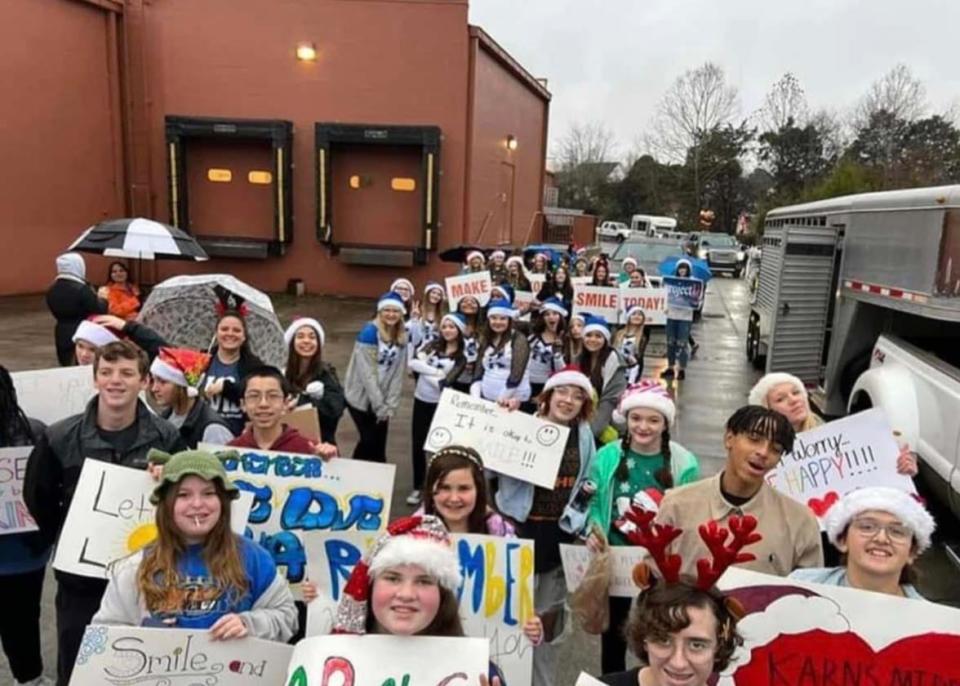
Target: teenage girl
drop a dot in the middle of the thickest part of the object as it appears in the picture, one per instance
(631, 342)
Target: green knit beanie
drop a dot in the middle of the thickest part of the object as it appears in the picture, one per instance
(206, 465)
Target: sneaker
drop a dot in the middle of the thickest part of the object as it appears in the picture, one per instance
(413, 498)
(693, 349)
(682, 374)
(41, 680)
(667, 373)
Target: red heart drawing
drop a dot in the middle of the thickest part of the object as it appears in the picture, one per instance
(819, 506)
(817, 657)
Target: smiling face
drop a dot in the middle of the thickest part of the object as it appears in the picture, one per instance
(539, 263)
(305, 342)
(231, 334)
(196, 508)
(575, 331)
(84, 352)
(565, 404)
(789, 400)
(686, 657)
(877, 544)
(449, 332)
(637, 319)
(404, 291)
(594, 341)
(435, 296)
(636, 278)
(645, 427)
(683, 271)
(750, 456)
(165, 393)
(513, 269)
(600, 273)
(404, 600)
(263, 401)
(118, 273)
(454, 498)
(118, 383)
(498, 323)
(390, 315)
(469, 305)
(560, 277)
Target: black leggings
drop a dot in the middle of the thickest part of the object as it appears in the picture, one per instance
(20, 623)
(76, 604)
(613, 646)
(422, 417)
(372, 444)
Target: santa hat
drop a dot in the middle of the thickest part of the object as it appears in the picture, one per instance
(497, 254)
(298, 324)
(554, 305)
(475, 253)
(434, 286)
(595, 324)
(180, 366)
(457, 319)
(580, 316)
(649, 395)
(635, 308)
(900, 504)
(403, 282)
(420, 540)
(515, 259)
(631, 260)
(506, 291)
(391, 299)
(501, 308)
(758, 394)
(94, 334)
(569, 376)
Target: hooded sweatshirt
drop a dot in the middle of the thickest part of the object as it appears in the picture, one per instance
(71, 266)
(290, 441)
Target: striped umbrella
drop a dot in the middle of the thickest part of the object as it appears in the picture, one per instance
(139, 238)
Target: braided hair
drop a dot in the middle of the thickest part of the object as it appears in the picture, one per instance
(664, 475)
(14, 425)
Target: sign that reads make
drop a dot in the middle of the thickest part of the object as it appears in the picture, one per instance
(477, 285)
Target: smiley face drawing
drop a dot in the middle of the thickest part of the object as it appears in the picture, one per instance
(439, 438)
(547, 435)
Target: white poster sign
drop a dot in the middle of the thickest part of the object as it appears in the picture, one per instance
(54, 394)
(14, 517)
(602, 301)
(496, 595)
(803, 633)
(586, 680)
(522, 301)
(110, 517)
(512, 443)
(580, 281)
(294, 494)
(576, 560)
(536, 282)
(477, 284)
(838, 457)
(653, 301)
(136, 656)
(372, 660)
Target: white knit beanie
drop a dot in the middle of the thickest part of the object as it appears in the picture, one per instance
(900, 504)
(758, 394)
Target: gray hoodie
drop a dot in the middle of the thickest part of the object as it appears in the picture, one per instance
(70, 265)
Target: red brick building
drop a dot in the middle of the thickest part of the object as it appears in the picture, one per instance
(410, 132)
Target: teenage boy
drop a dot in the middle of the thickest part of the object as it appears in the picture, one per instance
(117, 428)
(755, 439)
(264, 394)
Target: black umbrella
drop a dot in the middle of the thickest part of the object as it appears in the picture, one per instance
(139, 238)
(459, 253)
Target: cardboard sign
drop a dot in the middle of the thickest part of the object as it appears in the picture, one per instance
(586, 680)
(653, 301)
(305, 420)
(683, 294)
(293, 494)
(110, 517)
(135, 656)
(580, 281)
(838, 457)
(802, 633)
(375, 660)
(576, 561)
(522, 301)
(496, 595)
(54, 394)
(14, 516)
(602, 301)
(478, 285)
(512, 443)
(536, 281)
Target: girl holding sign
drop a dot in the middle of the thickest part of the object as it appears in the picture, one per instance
(503, 357)
(631, 342)
(546, 344)
(438, 364)
(198, 574)
(606, 371)
(645, 461)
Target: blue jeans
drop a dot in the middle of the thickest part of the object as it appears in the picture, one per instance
(678, 331)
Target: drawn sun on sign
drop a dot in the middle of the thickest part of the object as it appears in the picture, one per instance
(138, 535)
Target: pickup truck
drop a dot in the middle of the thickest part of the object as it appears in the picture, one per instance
(617, 231)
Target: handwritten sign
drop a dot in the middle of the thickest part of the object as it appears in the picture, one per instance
(136, 656)
(602, 301)
(496, 593)
(14, 516)
(111, 517)
(576, 561)
(580, 281)
(838, 457)
(802, 633)
(683, 294)
(512, 443)
(477, 284)
(536, 282)
(371, 660)
(653, 302)
(294, 494)
(54, 394)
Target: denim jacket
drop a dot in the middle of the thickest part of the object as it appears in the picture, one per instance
(515, 498)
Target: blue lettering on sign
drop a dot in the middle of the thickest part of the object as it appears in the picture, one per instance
(261, 508)
(363, 511)
(283, 465)
(287, 551)
(472, 564)
(508, 618)
(342, 557)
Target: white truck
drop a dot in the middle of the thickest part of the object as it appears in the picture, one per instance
(859, 296)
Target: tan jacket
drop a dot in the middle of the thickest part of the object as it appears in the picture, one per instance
(791, 535)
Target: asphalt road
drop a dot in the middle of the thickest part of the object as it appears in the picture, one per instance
(717, 383)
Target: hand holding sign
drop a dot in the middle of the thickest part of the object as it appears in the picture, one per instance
(477, 285)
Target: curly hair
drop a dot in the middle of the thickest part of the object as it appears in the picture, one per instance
(662, 610)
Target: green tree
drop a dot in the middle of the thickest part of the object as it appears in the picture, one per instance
(794, 156)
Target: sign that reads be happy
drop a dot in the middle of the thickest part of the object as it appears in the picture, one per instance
(512, 443)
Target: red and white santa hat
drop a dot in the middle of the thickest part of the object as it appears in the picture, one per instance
(474, 254)
(902, 505)
(94, 334)
(758, 394)
(181, 366)
(569, 376)
(647, 394)
(420, 540)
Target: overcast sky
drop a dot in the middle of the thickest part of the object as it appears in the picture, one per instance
(611, 60)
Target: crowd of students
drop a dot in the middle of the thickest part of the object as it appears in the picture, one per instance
(619, 461)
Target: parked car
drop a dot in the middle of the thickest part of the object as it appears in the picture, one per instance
(617, 231)
(722, 252)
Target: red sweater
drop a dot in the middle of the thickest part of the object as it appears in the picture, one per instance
(290, 441)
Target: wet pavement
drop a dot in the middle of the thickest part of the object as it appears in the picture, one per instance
(717, 383)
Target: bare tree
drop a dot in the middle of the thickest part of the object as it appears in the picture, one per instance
(584, 143)
(699, 101)
(836, 137)
(897, 92)
(785, 102)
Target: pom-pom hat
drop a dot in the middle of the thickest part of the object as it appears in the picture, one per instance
(649, 395)
(900, 504)
(554, 305)
(301, 322)
(569, 376)
(94, 334)
(760, 391)
(181, 366)
(595, 324)
(391, 299)
(420, 540)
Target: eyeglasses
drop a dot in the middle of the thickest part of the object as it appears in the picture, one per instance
(570, 393)
(870, 528)
(256, 398)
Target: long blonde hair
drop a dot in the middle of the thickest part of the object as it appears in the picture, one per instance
(397, 337)
(627, 330)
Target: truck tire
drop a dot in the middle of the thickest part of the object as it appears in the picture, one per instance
(855, 367)
(861, 402)
(758, 361)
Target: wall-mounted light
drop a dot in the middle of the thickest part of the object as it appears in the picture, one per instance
(306, 52)
(512, 143)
